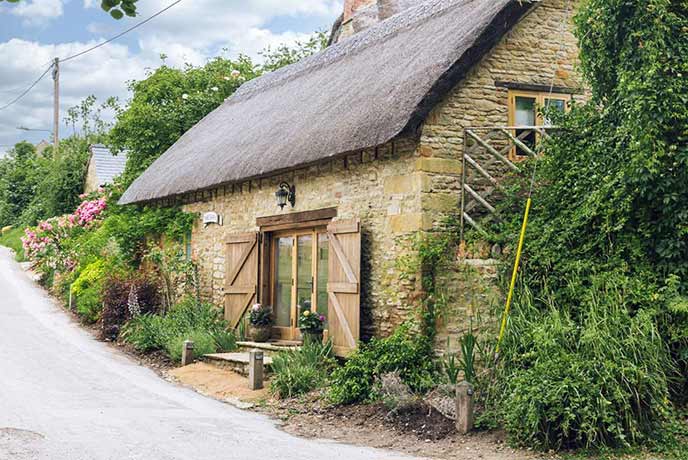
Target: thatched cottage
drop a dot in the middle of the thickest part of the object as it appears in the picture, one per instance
(311, 181)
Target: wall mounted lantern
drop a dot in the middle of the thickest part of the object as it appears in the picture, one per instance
(285, 193)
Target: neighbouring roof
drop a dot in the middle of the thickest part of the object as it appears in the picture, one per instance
(359, 93)
(108, 166)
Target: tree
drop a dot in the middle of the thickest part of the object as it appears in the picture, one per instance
(170, 101)
(17, 181)
(35, 187)
(118, 8)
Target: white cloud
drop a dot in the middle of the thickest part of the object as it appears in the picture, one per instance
(239, 26)
(103, 72)
(37, 12)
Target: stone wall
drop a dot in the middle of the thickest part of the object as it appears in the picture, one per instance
(380, 187)
(536, 52)
(91, 183)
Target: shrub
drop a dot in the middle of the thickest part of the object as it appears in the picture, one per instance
(409, 354)
(149, 332)
(204, 343)
(225, 340)
(121, 295)
(89, 305)
(144, 332)
(299, 371)
(593, 375)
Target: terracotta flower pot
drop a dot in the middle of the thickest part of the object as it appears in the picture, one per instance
(260, 333)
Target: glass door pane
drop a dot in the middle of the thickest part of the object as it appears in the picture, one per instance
(524, 115)
(323, 256)
(524, 111)
(283, 284)
(304, 278)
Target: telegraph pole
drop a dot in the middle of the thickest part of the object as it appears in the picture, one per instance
(56, 106)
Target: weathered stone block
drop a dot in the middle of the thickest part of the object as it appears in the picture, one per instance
(410, 222)
(439, 165)
(440, 202)
(401, 185)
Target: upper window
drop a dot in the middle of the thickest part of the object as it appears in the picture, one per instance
(530, 108)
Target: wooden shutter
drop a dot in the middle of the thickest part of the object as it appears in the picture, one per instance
(344, 285)
(241, 275)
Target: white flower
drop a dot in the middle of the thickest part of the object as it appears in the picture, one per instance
(185, 96)
(235, 73)
(226, 78)
(215, 88)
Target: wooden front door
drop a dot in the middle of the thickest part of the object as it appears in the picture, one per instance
(299, 276)
(344, 285)
(241, 281)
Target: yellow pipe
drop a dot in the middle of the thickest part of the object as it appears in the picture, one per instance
(509, 297)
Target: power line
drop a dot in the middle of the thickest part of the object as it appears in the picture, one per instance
(26, 91)
(135, 26)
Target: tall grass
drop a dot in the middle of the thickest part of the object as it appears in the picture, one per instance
(588, 375)
(188, 320)
(296, 372)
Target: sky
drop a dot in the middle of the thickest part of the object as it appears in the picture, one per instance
(33, 32)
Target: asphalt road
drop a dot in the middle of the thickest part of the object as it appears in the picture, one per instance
(64, 396)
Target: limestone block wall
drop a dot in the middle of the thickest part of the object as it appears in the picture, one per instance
(380, 187)
(536, 52)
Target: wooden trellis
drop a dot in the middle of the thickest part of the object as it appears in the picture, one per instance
(487, 158)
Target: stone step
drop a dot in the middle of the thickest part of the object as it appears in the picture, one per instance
(269, 348)
(237, 361)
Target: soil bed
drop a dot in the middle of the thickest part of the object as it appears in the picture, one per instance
(419, 431)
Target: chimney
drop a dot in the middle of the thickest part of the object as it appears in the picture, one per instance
(389, 8)
(351, 7)
(361, 14)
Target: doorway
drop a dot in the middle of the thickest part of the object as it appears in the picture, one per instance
(298, 277)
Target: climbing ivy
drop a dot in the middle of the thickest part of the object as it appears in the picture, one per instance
(607, 244)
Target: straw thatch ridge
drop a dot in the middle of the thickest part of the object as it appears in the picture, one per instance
(359, 93)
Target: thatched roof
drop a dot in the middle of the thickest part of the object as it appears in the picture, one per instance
(359, 93)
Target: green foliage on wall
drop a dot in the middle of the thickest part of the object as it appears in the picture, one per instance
(606, 253)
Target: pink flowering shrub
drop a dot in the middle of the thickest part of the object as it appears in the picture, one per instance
(88, 211)
(43, 245)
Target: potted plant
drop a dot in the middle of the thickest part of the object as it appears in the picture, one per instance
(311, 325)
(260, 323)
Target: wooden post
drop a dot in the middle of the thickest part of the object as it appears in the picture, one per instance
(255, 369)
(56, 107)
(187, 352)
(464, 407)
